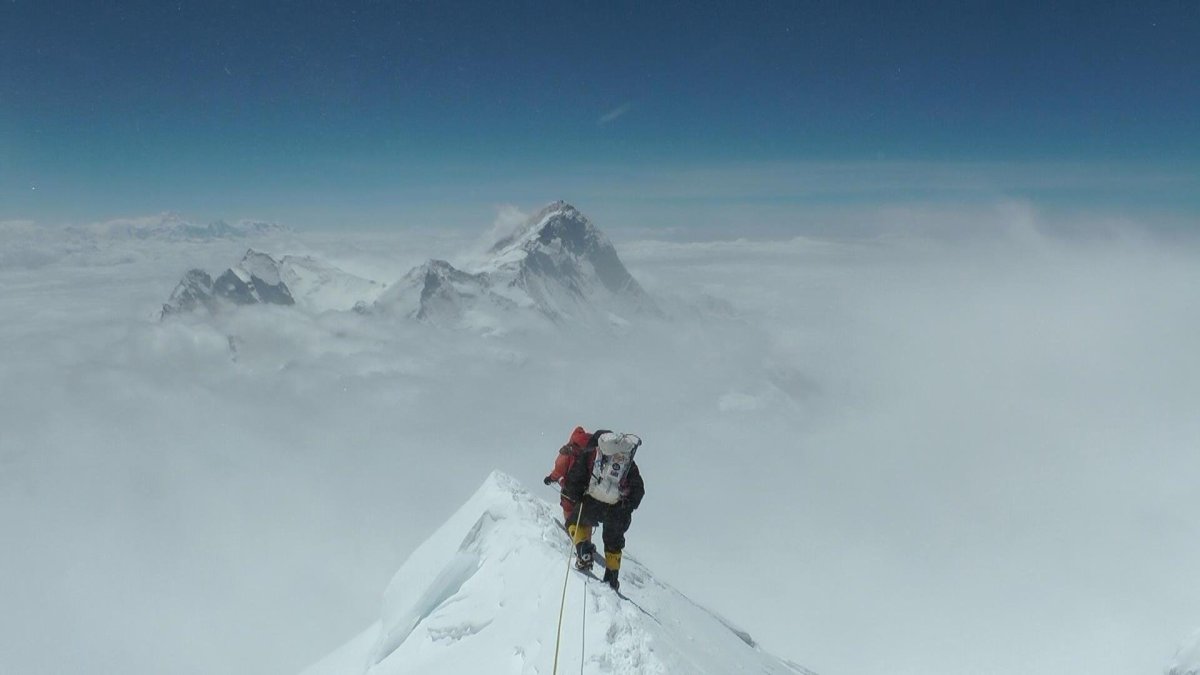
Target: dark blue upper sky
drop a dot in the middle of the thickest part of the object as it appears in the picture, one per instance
(119, 107)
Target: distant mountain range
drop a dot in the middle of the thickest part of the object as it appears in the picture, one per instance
(29, 245)
(557, 266)
(171, 226)
(260, 279)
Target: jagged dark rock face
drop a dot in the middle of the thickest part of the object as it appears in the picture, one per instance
(277, 294)
(265, 282)
(443, 288)
(230, 287)
(192, 293)
(243, 284)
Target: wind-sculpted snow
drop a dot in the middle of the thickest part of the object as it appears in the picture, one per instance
(318, 286)
(1187, 659)
(482, 596)
(438, 293)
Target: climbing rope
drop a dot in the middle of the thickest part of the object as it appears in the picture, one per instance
(583, 631)
(563, 603)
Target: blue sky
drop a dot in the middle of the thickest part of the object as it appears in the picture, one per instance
(375, 113)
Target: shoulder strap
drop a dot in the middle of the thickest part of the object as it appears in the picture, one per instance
(599, 460)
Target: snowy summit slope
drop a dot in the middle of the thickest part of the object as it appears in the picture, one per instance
(1187, 660)
(482, 595)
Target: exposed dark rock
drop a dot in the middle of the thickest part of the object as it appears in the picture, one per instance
(254, 280)
(193, 292)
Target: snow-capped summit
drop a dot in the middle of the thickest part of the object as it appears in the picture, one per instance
(555, 219)
(561, 260)
(1187, 659)
(557, 264)
(482, 595)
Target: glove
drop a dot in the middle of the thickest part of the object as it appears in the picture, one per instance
(547, 480)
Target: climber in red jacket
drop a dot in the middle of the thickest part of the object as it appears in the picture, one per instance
(567, 455)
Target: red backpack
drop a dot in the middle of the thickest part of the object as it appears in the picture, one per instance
(575, 448)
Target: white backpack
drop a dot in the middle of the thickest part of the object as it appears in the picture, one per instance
(614, 454)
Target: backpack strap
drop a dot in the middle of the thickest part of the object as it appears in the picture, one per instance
(599, 461)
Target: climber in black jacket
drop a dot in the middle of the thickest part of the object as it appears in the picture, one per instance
(606, 487)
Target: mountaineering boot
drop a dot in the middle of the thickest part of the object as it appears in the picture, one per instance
(584, 555)
(585, 550)
(610, 578)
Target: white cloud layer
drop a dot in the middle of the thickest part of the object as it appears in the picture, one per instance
(943, 452)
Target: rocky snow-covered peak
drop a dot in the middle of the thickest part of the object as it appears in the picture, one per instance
(561, 244)
(259, 279)
(557, 220)
(557, 265)
(481, 595)
(260, 267)
(193, 292)
(438, 292)
(252, 281)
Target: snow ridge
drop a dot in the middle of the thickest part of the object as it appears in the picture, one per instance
(1187, 659)
(482, 595)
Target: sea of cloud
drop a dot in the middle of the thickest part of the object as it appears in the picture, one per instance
(914, 450)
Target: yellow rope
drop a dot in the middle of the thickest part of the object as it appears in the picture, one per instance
(563, 603)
